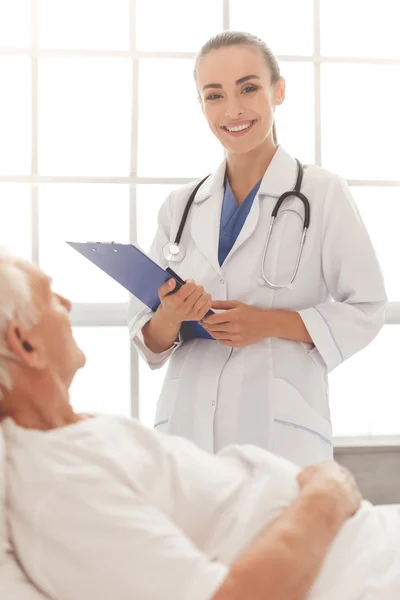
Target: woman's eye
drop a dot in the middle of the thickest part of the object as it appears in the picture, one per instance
(213, 97)
(249, 88)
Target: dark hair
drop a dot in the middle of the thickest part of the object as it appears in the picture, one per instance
(236, 38)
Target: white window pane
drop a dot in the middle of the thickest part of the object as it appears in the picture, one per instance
(176, 25)
(149, 199)
(382, 226)
(84, 24)
(81, 213)
(15, 115)
(360, 127)
(15, 23)
(286, 26)
(174, 138)
(103, 386)
(295, 117)
(150, 383)
(84, 116)
(364, 389)
(360, 28)
(15, 219)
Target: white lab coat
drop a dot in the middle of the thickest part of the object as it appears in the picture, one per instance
(273, 394)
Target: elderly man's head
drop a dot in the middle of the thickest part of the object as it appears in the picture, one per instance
(36, 341)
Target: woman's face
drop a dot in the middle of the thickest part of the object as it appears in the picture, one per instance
(237, 96)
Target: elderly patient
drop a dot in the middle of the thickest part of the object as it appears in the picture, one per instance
(105, 509)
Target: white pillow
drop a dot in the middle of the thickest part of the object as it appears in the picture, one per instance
(13, 583)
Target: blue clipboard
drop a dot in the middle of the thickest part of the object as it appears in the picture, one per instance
(139, 274)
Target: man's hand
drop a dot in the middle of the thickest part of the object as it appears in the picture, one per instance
(335, 482)
(238, 326)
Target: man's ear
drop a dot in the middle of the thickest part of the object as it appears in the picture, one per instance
(21, 342)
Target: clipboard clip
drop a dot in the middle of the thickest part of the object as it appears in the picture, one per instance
(99, 243)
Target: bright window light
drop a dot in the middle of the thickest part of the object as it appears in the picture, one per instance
(103, 216)
(176, 25)
(286, 26)
(103, 386)
(295, 121)
(364, 389)
(84, 115)
(360, 123)
(383, 231)
(174, 139)
(149, 199)
(15, 115)
(15, 219)
(15, 23)
(360, 28)
(84, 24)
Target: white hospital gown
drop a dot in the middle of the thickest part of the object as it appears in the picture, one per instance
(107, 509)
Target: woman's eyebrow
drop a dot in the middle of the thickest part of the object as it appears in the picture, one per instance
(238, 82)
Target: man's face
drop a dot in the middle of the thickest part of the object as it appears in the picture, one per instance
(52, 339)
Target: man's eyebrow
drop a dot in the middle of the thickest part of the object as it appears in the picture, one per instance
(218, 86)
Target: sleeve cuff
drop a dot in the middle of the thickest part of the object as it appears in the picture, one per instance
(322, 337)
(206, 584)
(154, 360)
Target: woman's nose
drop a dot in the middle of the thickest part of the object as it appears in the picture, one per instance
(234, 109)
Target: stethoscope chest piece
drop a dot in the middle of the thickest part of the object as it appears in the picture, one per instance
(174, 252)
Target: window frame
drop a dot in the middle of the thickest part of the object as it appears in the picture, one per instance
(115, 314)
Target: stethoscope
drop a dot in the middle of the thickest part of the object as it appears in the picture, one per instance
(175, 252)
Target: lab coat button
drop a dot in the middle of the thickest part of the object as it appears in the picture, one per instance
(213, 403)
(222, 281)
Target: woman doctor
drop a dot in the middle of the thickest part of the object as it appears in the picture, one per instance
(263, 380)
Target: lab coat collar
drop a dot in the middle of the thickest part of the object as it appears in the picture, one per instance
(281, 175)
(212, 185)
(279, 178)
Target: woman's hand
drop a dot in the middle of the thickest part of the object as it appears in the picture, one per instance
(238, 326)
(335, 483)
(189, 303)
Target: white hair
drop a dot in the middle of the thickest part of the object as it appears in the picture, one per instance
(15, 303)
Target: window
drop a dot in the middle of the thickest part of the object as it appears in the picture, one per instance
(99, 122)
(15, 115)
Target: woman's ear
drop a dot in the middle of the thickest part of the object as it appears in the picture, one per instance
(21, 343)
(280, 91)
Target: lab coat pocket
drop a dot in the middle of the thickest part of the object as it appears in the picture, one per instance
(300, 433)
(314, 356)
(165, 405)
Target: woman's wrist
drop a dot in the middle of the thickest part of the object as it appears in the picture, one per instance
(166, 319)
(159, 334)
(285, 324)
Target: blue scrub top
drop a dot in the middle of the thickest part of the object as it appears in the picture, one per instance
(233, 218)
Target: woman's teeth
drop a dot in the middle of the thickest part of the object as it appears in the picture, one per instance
(234, 128)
